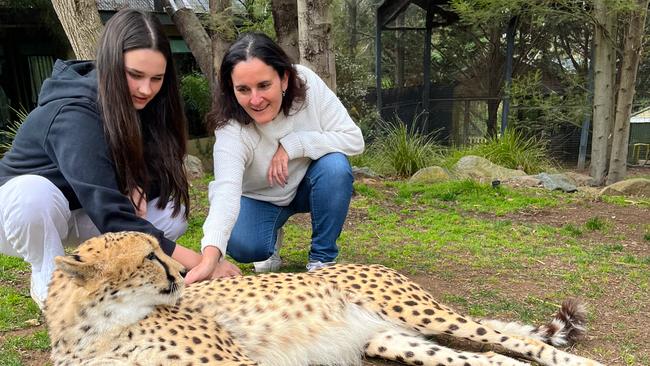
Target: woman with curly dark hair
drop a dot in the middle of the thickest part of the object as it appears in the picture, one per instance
(282, 140)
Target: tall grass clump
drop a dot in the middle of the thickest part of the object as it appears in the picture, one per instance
(515, 151)
(8, 134)
(402, 151)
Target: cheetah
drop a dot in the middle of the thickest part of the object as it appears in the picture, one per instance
(119, 300)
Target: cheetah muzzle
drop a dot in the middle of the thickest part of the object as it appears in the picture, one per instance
(119, 300)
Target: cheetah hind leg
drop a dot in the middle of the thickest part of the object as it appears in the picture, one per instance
(401, 301)
(412, 349)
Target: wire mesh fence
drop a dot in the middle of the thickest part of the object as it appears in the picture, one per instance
(460, 121)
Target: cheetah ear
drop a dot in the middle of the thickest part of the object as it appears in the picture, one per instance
(75, 267)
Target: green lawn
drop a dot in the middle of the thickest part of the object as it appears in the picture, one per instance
(510, 253)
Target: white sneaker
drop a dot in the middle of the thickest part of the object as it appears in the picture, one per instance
(274, 262)
(314, 265)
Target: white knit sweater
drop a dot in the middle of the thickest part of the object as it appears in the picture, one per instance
(242, 155)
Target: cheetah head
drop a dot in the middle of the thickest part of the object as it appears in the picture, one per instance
(116, 277)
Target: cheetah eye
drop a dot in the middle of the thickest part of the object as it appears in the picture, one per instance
(151, 256)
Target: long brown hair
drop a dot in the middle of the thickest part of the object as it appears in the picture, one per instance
(246, 47)
(155, 135)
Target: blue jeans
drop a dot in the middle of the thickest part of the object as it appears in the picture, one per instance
(325, 192)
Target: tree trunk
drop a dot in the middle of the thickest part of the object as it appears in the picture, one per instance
(315, 39)
(82, 26)
(195, 36)
(604, 58)
(493, 109)
(220, 41)
(633, 45)
(352, 8)
(285, 20)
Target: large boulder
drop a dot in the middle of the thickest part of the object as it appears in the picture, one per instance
(363, 172)
(557, 182)
(193, 167)
(580, 180)
(430, 174)
(482, 170)
(628, 187)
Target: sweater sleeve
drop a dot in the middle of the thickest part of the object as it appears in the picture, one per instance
(338, 132)
(75, 143)
(231, 152)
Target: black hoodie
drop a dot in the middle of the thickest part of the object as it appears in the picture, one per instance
(63, 140)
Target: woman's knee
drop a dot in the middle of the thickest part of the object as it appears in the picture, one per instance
(32, 199)
(334, 169)
(247, 249)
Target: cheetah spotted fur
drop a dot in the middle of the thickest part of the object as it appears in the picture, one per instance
(119, 300)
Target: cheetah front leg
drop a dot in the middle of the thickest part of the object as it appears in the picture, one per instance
(412, 349)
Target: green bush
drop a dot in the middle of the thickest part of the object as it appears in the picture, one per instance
(8, 134)
(512, 150)
(515, 151)
(403, 151)
(195, 91)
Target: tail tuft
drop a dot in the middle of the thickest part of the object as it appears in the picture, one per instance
(567, 326)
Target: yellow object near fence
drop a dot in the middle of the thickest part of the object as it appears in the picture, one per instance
(638, 149)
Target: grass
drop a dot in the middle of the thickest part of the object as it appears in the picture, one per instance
(473, 241)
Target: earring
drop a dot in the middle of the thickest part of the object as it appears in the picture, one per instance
(284, 92)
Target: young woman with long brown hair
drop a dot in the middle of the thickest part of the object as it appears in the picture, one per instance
(102, 152)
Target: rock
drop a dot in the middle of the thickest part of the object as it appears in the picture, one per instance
(431, 174)
(482, 170)
(557, 182)
(523, 181)
(628, 187)
(580, 180)
(363, 172)
(193, 167)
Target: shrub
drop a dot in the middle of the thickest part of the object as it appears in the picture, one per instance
(195, 91)
(402, 150)
(9, 133)
(515, 151)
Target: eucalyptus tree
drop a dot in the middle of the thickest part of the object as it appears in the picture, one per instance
(82, 25)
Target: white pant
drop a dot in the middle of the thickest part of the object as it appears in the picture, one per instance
(36, 223)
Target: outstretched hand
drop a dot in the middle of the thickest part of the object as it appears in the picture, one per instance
(210, 267)
(279, 168)
(225, 269)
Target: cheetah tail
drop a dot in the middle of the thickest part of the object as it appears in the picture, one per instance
(566, 327)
